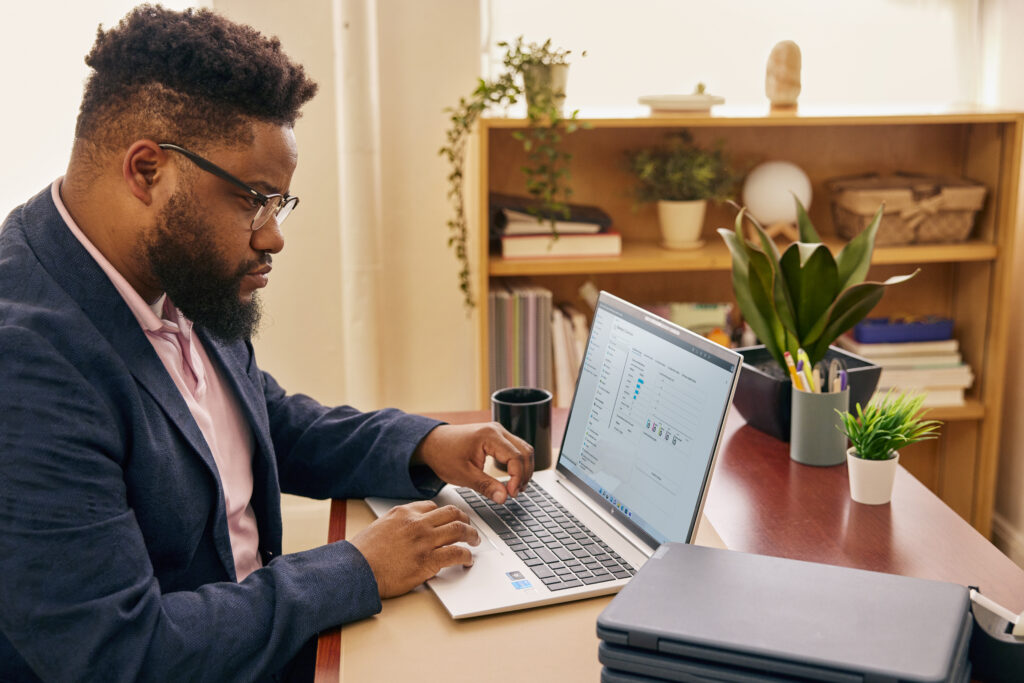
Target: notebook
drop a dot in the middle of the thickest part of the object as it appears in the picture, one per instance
(697, 613)
(632, 472)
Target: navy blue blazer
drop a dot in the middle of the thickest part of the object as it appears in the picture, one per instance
(115, 561)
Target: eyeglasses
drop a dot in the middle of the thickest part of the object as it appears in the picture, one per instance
(271, 205)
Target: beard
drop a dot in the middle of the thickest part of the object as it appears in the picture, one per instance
(185, 260)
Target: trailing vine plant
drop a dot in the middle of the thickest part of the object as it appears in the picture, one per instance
(546, 170)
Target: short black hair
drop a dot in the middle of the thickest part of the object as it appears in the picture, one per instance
(191, 77)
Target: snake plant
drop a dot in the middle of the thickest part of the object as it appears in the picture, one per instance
(803, 297)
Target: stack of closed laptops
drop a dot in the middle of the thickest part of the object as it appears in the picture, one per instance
(703, 614)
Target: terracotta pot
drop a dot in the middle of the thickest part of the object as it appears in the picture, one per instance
(871, 480)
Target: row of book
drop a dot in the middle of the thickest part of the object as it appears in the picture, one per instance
(533, 342)
(934, 368)
(520, 229)
(519, 330)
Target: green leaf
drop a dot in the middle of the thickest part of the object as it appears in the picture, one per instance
(855, 258)
(803, 221)
(812, 280)
(751, 296)
(850, 307)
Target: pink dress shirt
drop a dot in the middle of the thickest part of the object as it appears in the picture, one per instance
(210, 399)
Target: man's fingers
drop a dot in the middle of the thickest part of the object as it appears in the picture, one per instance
(452, 554)
(420, 506)
(490, 487)
(455, 532)
(444, 515)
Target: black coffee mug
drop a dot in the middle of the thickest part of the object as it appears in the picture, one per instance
(526, 412)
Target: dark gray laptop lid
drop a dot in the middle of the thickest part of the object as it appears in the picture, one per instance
(745, 609)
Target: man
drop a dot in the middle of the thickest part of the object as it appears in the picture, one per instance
(142, 451)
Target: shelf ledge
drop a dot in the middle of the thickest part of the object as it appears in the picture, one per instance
(649, 257)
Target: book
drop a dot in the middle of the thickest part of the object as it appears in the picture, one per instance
(524, 224)
(934, 397)
(922, 378)
(935, 360)
(561, 344)
(878, 350)
(579, 334)
(565, 246)
(504, 208)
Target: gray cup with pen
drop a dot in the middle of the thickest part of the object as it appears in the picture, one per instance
(815, 438)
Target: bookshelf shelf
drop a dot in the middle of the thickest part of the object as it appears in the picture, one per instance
(972, 410)
(649, 257)
(967, 281)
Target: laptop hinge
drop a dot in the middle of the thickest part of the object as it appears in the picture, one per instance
(616, 526)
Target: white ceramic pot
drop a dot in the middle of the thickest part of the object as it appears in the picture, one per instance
(545, 80)
(681, 223)
(871, 480)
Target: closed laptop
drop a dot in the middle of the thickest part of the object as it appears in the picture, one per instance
(691, 610)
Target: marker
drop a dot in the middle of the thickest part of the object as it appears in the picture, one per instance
(802, 355)
(798, 379)
(790, 366)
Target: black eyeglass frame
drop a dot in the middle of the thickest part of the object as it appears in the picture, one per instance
(286, 200)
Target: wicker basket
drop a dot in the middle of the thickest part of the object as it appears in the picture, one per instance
(918, 209)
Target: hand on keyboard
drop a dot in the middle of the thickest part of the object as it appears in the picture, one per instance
(413, 542)
(456, 454)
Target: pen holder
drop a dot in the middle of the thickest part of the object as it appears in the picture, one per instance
(815, 438)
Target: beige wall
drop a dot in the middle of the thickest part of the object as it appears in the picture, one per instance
(428, 57)
(299, 342)
(1003, 86)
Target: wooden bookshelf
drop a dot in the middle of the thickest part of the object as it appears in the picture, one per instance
(968, 281)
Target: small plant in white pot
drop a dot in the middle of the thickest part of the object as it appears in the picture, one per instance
(876, 435)
(681, 177)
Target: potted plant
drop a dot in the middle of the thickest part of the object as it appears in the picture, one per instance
(876, 435)
(542, 70)
(681, 178)
(799, 298)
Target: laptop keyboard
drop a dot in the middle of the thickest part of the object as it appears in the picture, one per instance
(557, 547)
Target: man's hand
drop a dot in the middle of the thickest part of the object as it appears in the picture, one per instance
(456, 454)
(412, 543)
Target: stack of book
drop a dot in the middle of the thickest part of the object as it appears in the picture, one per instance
(520, 228)
(934, 368)
(519, 330)
(569, 332)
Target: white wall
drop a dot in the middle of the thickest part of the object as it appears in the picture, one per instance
(44, 53)
(863, 53)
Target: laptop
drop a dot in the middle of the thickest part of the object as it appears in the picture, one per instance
(632, 472)
(696, 613)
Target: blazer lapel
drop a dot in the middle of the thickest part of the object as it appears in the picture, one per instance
(244, 377)
(83, 279)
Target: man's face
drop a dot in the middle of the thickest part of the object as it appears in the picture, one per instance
(202, 250)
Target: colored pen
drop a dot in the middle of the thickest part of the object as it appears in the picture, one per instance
(798, 378)
(802, 356)
(843, 380)
(790, 366)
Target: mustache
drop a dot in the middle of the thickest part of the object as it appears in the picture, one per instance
(264, 259)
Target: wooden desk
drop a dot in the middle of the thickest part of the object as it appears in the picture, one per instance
(760, 502)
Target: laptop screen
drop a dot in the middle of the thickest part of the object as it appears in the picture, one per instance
(649, 409)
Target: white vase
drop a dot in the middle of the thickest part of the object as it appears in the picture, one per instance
(681, 223)
(871, 481)
(543, 81)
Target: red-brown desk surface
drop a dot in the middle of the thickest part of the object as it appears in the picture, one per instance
(760, 501)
